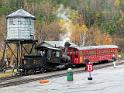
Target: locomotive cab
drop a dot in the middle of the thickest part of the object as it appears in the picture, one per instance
(51, 54)
(46, 58)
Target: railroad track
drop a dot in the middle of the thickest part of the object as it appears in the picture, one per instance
(25, 79)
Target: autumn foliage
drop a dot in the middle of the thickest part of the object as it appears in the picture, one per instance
(84, 22)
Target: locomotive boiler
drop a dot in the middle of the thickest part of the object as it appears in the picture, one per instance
(47, 58)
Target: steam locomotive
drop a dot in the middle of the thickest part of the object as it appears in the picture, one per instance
(52, 56)
(47, 58)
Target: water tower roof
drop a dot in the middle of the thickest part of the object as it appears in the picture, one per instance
(20, 13)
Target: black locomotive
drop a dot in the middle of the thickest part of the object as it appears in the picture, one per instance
(47, 58)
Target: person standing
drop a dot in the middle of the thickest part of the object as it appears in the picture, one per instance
(86, 62)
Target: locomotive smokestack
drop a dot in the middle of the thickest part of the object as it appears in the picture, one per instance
(65, 54)
(67, 44)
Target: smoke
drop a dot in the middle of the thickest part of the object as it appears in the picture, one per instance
(63, 14)
(65, 37)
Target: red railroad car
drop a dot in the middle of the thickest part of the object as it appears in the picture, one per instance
(95, 54)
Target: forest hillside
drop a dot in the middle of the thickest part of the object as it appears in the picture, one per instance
(84, 22)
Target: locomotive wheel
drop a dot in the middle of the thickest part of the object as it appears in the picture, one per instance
(24, 72)
(30, 71)
(42, 70)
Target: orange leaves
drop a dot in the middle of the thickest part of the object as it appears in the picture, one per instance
(61, 22)
(75, 37)
(80, 28)
(107, 40)
(101, 38)
(79, 33)
(97, 36)
(117, 3)
(97, 41)
(84, 28)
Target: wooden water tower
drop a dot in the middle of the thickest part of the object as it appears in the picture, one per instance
(20, 31)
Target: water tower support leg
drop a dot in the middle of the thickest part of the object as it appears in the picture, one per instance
(32, 47)
(17, 63)
(3, 63)
(11, 50)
